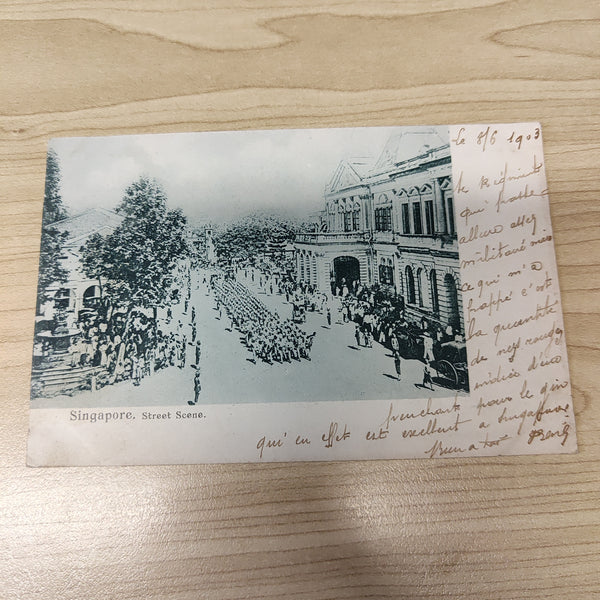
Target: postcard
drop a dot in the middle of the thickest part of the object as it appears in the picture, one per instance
(298, 295)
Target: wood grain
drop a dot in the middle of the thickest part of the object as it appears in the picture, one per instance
(523, 527)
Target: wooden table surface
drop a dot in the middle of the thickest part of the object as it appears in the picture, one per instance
(520, 527)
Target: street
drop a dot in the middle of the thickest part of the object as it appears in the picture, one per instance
(337, 370)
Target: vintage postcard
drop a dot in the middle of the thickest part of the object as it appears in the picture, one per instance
(292, 295)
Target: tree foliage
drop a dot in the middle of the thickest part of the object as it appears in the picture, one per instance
(199, 247)
(135, 262)
(250, 236)
(53, 206)
(51, 271)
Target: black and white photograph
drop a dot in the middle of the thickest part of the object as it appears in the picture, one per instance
(249, 267)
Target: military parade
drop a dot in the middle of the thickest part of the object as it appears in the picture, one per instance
(138, 305)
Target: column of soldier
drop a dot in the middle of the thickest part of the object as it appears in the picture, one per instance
(266, 335)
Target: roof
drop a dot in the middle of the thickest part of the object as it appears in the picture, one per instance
(349, 173)
(407, 145)
(361, 165)
(85, 224)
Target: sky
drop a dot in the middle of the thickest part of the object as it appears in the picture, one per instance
(215, 176)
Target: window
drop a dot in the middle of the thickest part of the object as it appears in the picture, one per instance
(405, 218)
(429, 227)
(450, 210)
(390, 272)
(91, 297)
(419, 287)
(452, 302)
(410, 286)
(383, 219)
(62, 299)
(386, 272)
(356, 220)
(417, 222)
(434, 291)
(347, 221)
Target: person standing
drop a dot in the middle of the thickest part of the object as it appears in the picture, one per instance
(328, 316)
(345, 313)
(398, 365)
(135, 366)
(428, 348)
(198, 352)
(197, 387)
(394, 341)
(427, 380)
(357, 335)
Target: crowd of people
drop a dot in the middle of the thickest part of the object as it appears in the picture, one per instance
(385, 321)
(267, 336)
(117, 350)
(118, 346)
(138, 345)
(375, 317)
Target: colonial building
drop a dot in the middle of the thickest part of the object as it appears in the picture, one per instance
(391, 224)
(79, 291)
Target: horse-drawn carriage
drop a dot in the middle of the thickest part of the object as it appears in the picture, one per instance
(451, 364)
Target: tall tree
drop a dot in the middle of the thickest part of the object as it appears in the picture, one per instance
(135, 263)
(51, 271)
(53, 206)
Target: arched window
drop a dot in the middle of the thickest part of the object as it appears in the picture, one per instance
(424, 285)
(410, 286)
(91, 296)
(452, 302)
(435, 302)
(420, 291)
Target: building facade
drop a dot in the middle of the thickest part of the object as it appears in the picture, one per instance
(391, 224)
(79, 291)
